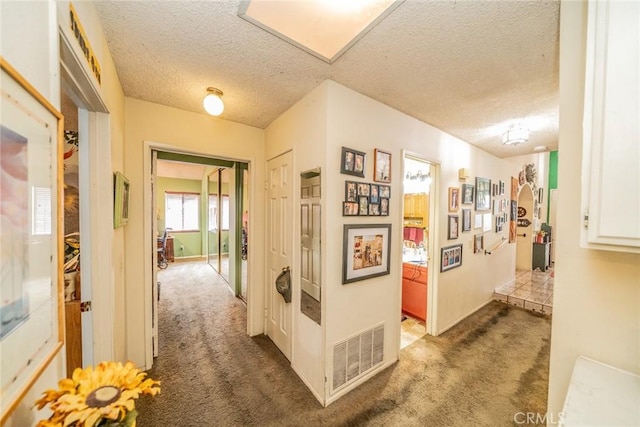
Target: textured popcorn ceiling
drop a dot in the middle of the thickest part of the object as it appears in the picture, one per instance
(470, 68)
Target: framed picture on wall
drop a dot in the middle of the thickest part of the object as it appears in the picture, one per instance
(466, 219)
(450, 257)
(384, 206)
(385, 191)
(350, 208)
(351, 191)
(121, 200)
(352, 162)
(32, 291)
(363, 189)
(478, 243)
(454, 199)
(452, 228)
(467, 194)
(381, 166)
(477, 223)
(374, 196)
(483, 194)
(363, 205)
(365, 251)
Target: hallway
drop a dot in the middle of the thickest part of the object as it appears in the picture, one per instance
(483, 371)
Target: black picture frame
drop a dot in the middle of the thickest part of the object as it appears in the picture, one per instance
(352, 162)
(450, 257)
(385, 191)
(483, 194)
(453, 227)
(363, 189)
(350, 191)
(350, 209)
(363, 202)
(365, 251)
(467, 194)
(466, 220)
(384, 206)
(374, 196)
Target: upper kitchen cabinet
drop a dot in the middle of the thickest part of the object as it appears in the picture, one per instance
(611, 156)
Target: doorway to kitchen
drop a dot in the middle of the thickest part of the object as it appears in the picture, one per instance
(416, 247)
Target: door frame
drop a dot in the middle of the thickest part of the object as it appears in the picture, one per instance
(96, 201)
(434, 241)
(150, 226)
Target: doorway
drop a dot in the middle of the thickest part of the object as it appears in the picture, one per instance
(416, 247)
(202, 201)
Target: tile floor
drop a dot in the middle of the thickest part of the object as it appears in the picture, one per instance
(411, 330)
(532, 290)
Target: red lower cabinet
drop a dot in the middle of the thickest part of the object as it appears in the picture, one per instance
(414, 291)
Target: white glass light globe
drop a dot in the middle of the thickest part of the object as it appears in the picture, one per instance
(213, 104)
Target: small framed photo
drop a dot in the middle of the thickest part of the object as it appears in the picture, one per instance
(466, 219)
(381, 166)
(467, 194)
(499, 222)
(452, 228)
(454, 199)
(501, 183)
(374, 197)
(350, 191)
(385, 191)
(450, 257)
(350, 208)
(540, 195)
(363, 189)
(521, 180)
(384, 206)
(121, 200)
(352, 162)
(478, 243)
(477, 221)
(363, 204)
(374, 209)
(365, 251)
(486, 222)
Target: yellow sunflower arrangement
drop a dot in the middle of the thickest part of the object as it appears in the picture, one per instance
(104, 396)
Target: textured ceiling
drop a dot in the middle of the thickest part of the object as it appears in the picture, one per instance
(470, 68)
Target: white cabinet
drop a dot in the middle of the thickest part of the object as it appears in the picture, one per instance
(611, 157)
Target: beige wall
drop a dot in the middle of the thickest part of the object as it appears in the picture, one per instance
(303, 129)
(596, 299)
(177, 130)
(35, 25)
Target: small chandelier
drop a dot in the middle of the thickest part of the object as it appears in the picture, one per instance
(515, 135)
(212, 102)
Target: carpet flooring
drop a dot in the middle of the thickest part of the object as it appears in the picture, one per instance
(482, 372)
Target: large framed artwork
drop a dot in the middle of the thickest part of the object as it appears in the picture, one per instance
(365, 251)
(31, 290)
(483, 194)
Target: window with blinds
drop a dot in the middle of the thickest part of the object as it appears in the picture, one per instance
(181, 211)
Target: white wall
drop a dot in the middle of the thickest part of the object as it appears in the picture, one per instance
(302, 129)
(178, 130)
(363, 124)
(596, 299)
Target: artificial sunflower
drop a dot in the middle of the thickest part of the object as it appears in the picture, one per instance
(104, 396)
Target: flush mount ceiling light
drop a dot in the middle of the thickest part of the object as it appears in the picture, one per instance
(212, 102)
(515, 135)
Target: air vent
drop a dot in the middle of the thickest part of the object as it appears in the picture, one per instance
(356, 356)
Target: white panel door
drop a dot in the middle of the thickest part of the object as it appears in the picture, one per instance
(279, 241)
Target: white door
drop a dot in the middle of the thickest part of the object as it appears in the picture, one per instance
(280, 233)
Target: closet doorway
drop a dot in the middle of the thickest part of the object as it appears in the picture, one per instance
(218, 229)
(416, 247)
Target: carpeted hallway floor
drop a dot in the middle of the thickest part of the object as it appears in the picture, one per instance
(480, 373)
